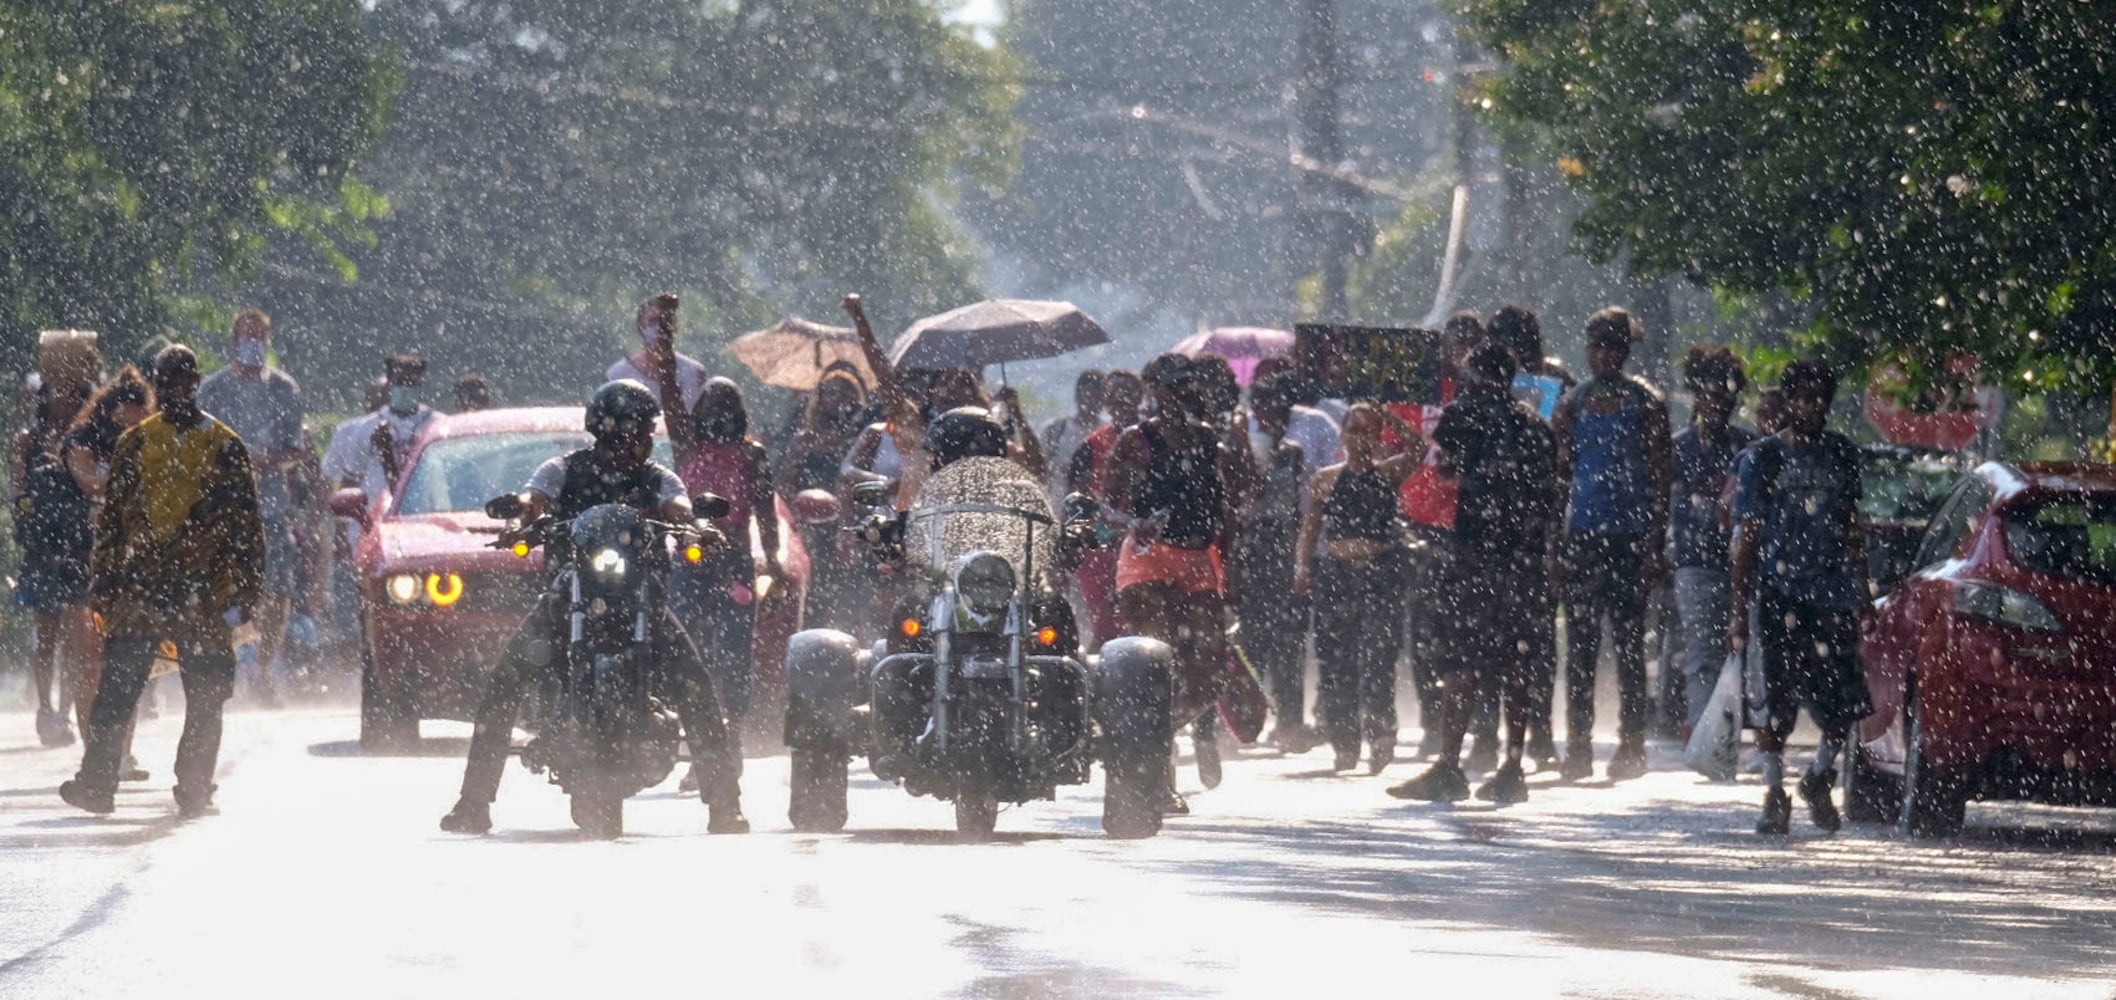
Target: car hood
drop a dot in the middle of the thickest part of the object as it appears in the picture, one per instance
(456, 541)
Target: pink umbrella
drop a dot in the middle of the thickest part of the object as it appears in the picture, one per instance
(1242, 346)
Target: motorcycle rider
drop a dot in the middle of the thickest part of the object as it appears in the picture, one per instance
(616, 469)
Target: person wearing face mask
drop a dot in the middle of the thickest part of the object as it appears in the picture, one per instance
(369, 451)
(179, 544)
(264, 406)
(656, 364)
(717, 599)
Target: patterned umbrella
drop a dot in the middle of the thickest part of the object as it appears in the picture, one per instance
(994, 332)
(1242, 346)
(794, 353)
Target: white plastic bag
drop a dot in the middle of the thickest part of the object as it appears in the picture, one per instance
(1715, 745)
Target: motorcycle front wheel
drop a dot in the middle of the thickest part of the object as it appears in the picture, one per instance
(600, 816)
(975, 816)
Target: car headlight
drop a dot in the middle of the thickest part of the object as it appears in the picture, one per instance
(444, 589)
(985, 580)
(403, 588)
(607, 562)
(2005, 606)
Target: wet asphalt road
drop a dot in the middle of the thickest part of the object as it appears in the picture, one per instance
(324, 876)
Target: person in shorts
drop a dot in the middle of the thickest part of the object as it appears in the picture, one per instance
(1799, 550)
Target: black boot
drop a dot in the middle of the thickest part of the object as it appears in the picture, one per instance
(1443, 782)
(1629, 761)
(193, 801)
(468, 817)
(1777, 814)
(1509, 786)
(77, 794)
(726, 817)
(1815, 791)
(1579, 761)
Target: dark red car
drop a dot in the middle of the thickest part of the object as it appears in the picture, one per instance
(439, 604)
(1992, 665)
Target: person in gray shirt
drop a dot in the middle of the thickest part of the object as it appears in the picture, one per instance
(263, 405)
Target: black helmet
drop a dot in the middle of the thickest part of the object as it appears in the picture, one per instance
(965, 432)
(622, 406)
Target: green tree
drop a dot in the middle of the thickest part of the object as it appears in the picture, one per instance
(145, 146)
(551, 162)
(1930, 177)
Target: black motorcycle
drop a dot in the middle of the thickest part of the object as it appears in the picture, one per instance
(604, 734)
(979, 693)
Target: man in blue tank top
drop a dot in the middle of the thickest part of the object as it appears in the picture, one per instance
(1613, 449)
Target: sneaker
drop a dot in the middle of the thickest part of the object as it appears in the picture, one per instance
(1174, 804)
(1380, 754)
(193, 802)
(726, 819)
(1206, 745)
(1628, 762)
(52, 729)
(1543, 752)
(1777, 814)
(1443, 782)
(1815, 791)
(1579, 764)
(1483, 754)
(1345, 760)
(80, 796)
(468, 817)
(1507, 787)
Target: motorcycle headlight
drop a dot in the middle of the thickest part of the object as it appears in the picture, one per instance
(607, 562)
(403, 588)
(985, 580)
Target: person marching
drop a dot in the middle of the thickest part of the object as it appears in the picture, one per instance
(179, 552)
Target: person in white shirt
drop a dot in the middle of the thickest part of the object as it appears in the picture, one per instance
(369, 451)
(1317, 433)
(648, 366)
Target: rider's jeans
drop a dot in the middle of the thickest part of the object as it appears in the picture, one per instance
(722, 624)
(540, 646)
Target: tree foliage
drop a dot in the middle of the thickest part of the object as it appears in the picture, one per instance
(551, 162)
(147, 145)
(1932, 176)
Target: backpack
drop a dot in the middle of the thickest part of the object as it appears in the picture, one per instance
(53, 518)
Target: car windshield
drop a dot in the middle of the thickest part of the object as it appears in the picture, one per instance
(456, 474)
(1904, 486)
(2074, 538)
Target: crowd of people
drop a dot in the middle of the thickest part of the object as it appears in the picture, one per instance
(1271, 525)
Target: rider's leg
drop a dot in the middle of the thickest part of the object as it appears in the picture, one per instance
(535, 649)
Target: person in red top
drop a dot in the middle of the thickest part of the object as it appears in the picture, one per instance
(717, 599)
(1123, 393)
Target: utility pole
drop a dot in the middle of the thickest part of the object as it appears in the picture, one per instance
(1324, 221)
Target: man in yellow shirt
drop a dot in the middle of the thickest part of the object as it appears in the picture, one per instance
(178, 559)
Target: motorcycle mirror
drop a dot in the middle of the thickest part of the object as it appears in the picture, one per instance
(709, 506)
(816, 507)
(349, 503)
(870, 494)
(1079, 507)
(505, 507)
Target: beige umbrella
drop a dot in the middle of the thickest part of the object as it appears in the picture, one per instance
(794, 353)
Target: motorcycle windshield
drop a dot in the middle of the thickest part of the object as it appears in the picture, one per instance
(987, 504)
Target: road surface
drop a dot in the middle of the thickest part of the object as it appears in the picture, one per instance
(324, 876)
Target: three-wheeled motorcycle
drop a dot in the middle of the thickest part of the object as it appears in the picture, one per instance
(978, 694)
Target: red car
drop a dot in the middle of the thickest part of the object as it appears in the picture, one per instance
(1990, 664)
(439, 605)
